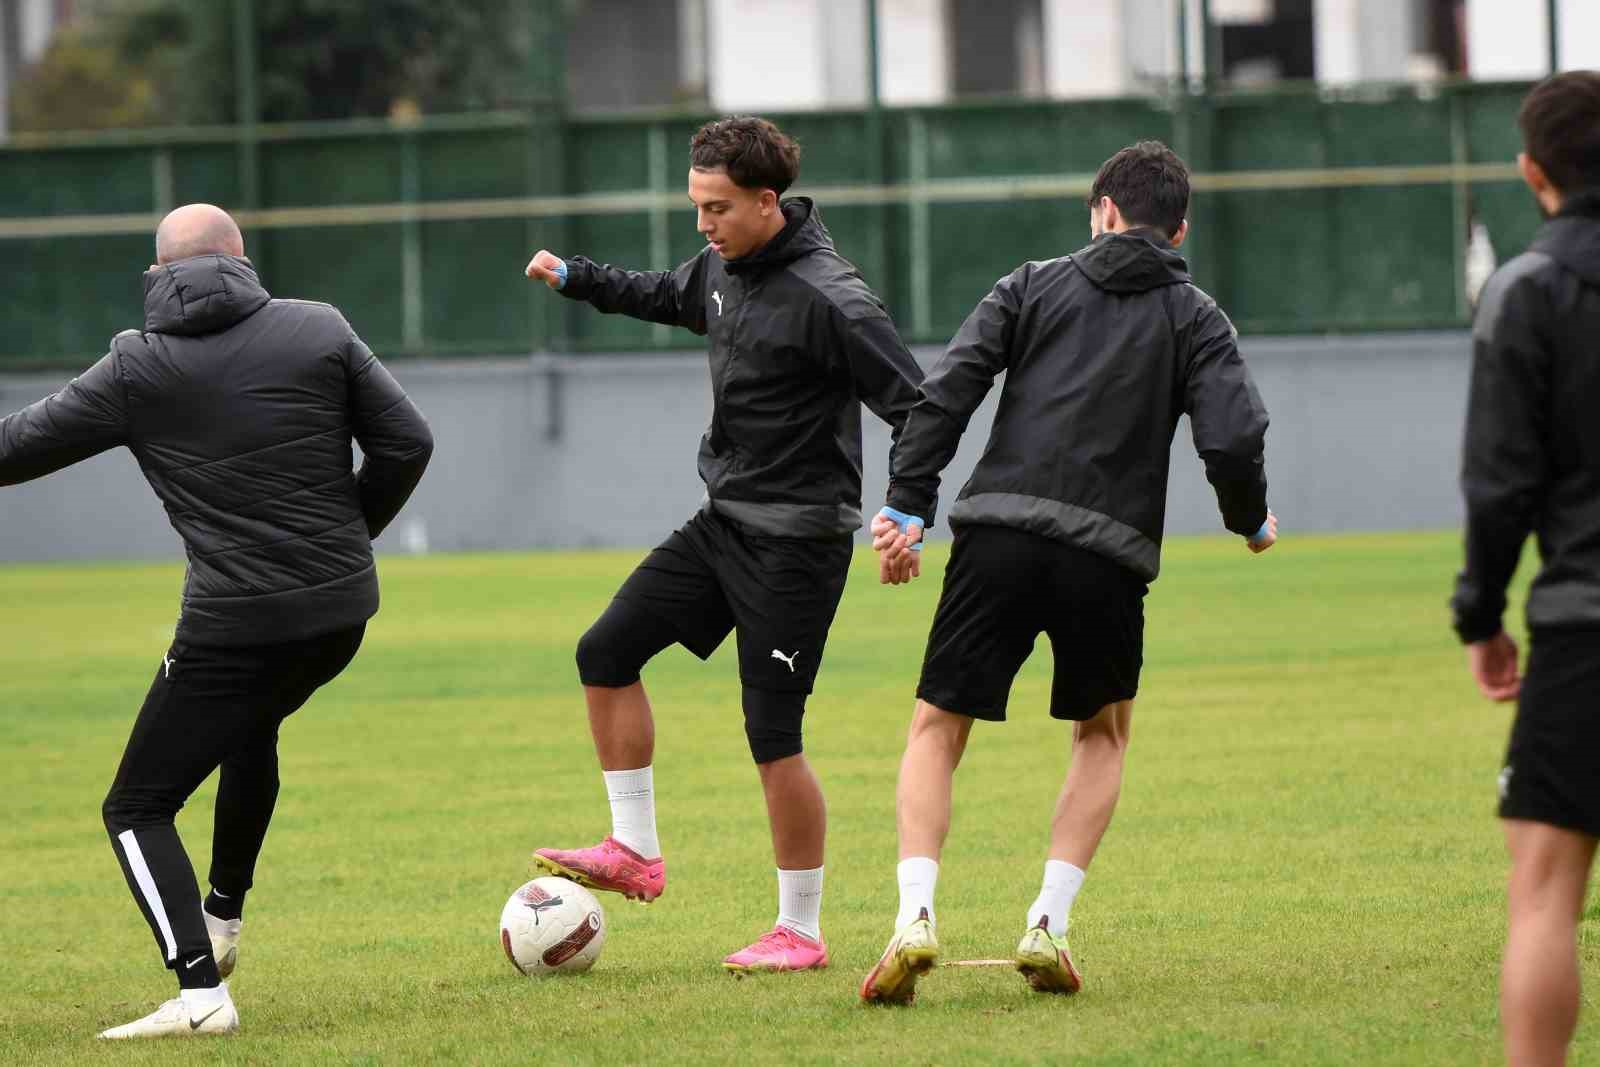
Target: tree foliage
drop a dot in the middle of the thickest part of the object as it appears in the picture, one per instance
(316, 59)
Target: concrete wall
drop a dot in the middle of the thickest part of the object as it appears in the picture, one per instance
(601, 451)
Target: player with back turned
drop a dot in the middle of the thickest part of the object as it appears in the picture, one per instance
(1059, 529)
(798, 343)
(1532, 465)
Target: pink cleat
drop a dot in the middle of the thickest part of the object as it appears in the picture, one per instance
(610, 867)
(780, 949)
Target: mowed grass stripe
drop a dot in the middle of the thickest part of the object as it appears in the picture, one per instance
(1304, 868)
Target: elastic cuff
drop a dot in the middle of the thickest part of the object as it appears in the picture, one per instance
(1473, 631)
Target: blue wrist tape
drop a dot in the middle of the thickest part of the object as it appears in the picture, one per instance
(1261, 534)
(561, 272)
(902, 520)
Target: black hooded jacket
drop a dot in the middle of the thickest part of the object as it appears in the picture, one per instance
(1531, 460)
(1103, 350)
(798, 343)
(240, 410)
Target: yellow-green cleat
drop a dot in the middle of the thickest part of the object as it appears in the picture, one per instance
(1045, 962)
(912, 952)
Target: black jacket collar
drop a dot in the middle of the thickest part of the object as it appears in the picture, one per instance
(200, 295)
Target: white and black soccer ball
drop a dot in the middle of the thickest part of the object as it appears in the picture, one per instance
(552, 926)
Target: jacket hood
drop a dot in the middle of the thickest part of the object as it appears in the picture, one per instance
(802, 234)
(1132, 262)
(1572, 238)
(202, 294)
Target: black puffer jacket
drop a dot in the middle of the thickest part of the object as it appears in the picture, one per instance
(1103, 350)
(240, 410)
(1532, 455)
(798, 343)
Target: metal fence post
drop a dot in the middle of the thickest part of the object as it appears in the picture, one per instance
(1553, 20)
(547, 158)
(247, 102)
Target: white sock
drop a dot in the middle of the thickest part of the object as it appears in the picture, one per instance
(633, 810)
(200, 1001)
(800, 901)
(1061, 884)
(918, 876)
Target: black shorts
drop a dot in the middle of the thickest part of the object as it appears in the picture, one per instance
(1002, 588)
(1552, 768)
(780, 594)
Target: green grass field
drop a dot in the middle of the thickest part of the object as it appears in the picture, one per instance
(1304, 869)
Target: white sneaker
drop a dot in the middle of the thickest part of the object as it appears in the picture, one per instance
(224, 942)
(173, 1019)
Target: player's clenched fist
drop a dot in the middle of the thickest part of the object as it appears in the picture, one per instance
(1265, 537)
(547, 267)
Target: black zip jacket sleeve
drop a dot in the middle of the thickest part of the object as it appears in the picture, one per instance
(674, 297)
(886, 376)
(956, 386)
(1504, 465)
(395, 441)
(1228, 420)
(86, 418)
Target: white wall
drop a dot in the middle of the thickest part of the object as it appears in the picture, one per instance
(1578, 27)
(1364, 40)
(1085, 48)
(773, 55)
(37, 24)
(1508, 39)
(913, 51)
(844, 52)
(765, 55)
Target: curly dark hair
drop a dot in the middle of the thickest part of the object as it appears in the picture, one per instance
(1148, 183)
(754, 152)
(1560, 122)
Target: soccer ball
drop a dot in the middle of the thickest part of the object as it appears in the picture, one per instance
(552, 926)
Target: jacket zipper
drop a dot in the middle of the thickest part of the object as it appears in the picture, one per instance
(733, 354)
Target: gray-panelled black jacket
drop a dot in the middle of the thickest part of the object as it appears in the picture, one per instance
(240, 410)
(1531, 460)
(1103, 350)
(798, 343)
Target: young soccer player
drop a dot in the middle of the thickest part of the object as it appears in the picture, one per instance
(1532, 464)
(798, 342)
(1059, 528)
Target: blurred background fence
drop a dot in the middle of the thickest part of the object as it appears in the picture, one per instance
(1315, 210)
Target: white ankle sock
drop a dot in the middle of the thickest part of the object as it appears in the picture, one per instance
(202, 1000)
(918, 876)
(633, 810)
(1061, 884)
(800, 901)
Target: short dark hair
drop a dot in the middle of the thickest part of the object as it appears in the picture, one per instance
(1560, 123)
(754, 152)
(1148, 183)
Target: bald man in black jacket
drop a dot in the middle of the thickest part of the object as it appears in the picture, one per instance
(241, 410)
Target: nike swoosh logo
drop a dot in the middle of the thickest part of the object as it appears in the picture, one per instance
(194, 1024)
(192, 962)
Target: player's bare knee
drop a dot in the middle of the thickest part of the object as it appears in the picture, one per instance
(931, 723)
(772, 724)
(1108, 729)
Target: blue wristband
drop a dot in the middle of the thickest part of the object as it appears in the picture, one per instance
(1261, 534)
(561, 272)
(902, 520)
